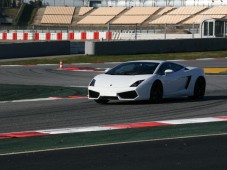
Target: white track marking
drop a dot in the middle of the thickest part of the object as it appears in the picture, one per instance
(74, 130)
(206, 59)
(30, 100)
(190, 121)
(116, 143)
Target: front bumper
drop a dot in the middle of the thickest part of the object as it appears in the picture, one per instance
(112, 93)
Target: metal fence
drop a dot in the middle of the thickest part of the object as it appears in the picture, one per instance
(130, 3)
(76, 3)
(155, 29)
(120, 32)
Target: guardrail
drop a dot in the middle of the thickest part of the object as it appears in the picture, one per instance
(131, 32)
(48, 36)
(95, 36)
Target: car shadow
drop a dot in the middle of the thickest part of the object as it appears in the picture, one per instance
(169, 100)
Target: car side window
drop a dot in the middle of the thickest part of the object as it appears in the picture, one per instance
(176, 67)
(162, 68)
(171, 66)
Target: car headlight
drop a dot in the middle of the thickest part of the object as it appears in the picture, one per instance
(137, 83)
(92, 83)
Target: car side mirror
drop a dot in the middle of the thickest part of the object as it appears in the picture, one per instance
(168, 72)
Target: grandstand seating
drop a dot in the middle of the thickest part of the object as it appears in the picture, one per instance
(95, 20)
(58, 15)
(213, 12)
(104, 11)
(131, 19)
(165, 10)
(142, 11)
(136, 15)
(217, 10)
(131, 16)
(101, 16)
(178, 15)
(198, 18)
(56, 19)
(187, 10)
(59, 10)
(84, 10)
(169, 19)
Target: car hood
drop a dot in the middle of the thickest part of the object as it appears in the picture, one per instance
(105, 80)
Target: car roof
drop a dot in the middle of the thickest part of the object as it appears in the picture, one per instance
(148, 61)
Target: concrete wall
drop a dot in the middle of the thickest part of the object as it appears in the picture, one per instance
(77, 47)
(34, 49)
(155, 46)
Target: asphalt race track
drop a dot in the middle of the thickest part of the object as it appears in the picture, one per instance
(194, 153)
(25, 116)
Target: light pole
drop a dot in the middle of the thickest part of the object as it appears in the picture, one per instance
(136, 32)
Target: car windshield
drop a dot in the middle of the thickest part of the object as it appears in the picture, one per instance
(133, 68)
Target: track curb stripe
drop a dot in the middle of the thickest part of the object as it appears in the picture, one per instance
(137, 125)
(44, 99)
(21, 134)
(111, 127)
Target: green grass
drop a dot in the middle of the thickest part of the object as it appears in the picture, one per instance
(113, 136)
(119, 58)
(16, 92)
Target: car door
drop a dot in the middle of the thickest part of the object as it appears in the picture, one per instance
(174, 82)
(182, 77)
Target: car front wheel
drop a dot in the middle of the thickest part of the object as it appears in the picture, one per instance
(199, 88)
(156, 92)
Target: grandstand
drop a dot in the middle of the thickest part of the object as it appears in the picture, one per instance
(95, 20)
(131, 19)
(107, 11)
(59, 10)
(169, 19)
(142, 11)
(136, 15)
(57, 15)
(84, 10)
(101, 16)
(124, 16)
(216, 10)
(143, 16)
(165, 10)
(178, 15)
(56, 19)
(199, 18)
(187, 10)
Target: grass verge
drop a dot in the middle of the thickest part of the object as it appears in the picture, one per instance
(17, 92)
(14, 145)
(118, 58)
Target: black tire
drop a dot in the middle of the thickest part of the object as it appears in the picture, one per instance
(156, 92)
(199, 88)
(101, 101)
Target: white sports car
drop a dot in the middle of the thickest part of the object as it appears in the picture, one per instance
(147, 80)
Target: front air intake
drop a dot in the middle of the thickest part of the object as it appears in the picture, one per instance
(93, 94)
(128, 95)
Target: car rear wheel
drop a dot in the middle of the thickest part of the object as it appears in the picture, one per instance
(101, 101)
(156, 92)
(199, 88)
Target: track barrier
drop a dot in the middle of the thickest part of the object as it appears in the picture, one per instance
(48, 36)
